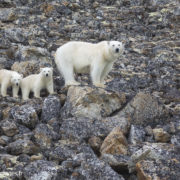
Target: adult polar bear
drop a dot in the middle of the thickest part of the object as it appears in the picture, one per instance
(80, 57)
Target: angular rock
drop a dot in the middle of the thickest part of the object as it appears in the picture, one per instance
(22, 146)
(40, 169)
(4, 140)
(95, 143)
(160, 135)
(92, 103)
(29, 53)
(51, 108)
(114, 143)
(27, 67)
(84, 128)
(136, 135)
(25, 115)
(8, 127)
(117, 162)
(44, 136)
(145, 110)
(8, 15)
(63, 150)
(158, 169)
(93, 168)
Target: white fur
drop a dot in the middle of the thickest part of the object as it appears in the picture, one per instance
(37, 82)
(80, 57)
(10, 78)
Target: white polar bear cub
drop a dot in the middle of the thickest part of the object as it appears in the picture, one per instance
(37, 82)
(10, 78)
(81, 57)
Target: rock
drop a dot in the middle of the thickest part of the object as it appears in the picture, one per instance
(22, 146)
(117, 162)
(63, 150)
(145, 110)
(84, 128)
(8, 160)
(51, 108)
(160, 135)
(92, 103)
(8, 15)
(136, 135)
(114, 143)
(16, 35)
(40, 169)
(4, 140)
(27, 67)
(44, 136)
(32, 53)
(158, 169)
(25, 115)
(8, 127)
(93, 168)
(95, 143)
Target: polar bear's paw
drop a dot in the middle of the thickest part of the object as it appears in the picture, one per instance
(72, 83)
(99, 85)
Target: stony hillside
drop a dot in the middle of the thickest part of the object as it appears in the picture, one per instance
(128, 131)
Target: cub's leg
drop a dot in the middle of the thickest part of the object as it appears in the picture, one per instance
(4, 87)
(25, 93)
(15, 92)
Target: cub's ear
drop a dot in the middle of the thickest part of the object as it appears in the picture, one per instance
(21, 75)
(41, 69)
(108, 42)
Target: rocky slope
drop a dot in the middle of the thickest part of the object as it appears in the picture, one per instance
(130, 130)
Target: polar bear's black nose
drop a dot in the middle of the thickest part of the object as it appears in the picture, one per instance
(17, 84)
(46, 75)
(117, 50)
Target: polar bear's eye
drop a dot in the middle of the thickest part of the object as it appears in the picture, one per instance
(113, 45)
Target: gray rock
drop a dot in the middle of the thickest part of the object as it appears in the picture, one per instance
(8, 15)
(144, 109)
(8, 127)
(51, 108)
(22, 147)
(93, 168)
(92, 103)
(44, 136)
(40, 169)
(25, 115)
(136, 135)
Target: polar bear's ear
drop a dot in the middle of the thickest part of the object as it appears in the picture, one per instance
(41, 69)
(108, 42)
(21, 75)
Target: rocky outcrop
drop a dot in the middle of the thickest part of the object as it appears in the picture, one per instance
(130, 129)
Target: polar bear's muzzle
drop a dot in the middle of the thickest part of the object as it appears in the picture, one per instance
(17, 84)
(47, 74)
(117, 50)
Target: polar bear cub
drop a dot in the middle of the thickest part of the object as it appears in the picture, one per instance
(10, 78)
(37, 82)
(82, 57)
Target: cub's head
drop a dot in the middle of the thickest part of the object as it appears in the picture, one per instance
(116, 47)
(47, 71)
(16, 79)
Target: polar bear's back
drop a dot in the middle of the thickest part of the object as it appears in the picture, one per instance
(4, 73)
(78, 53)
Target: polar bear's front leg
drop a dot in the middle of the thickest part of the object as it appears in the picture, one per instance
(37, 92)
(15, 91)
(68, 75)
(4, 87)
(50, 88)
(25, 93)
(96, 72)
(105, 72)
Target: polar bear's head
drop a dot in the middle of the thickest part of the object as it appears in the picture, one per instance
(16, 79)
(116, 47)
(47, 71)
